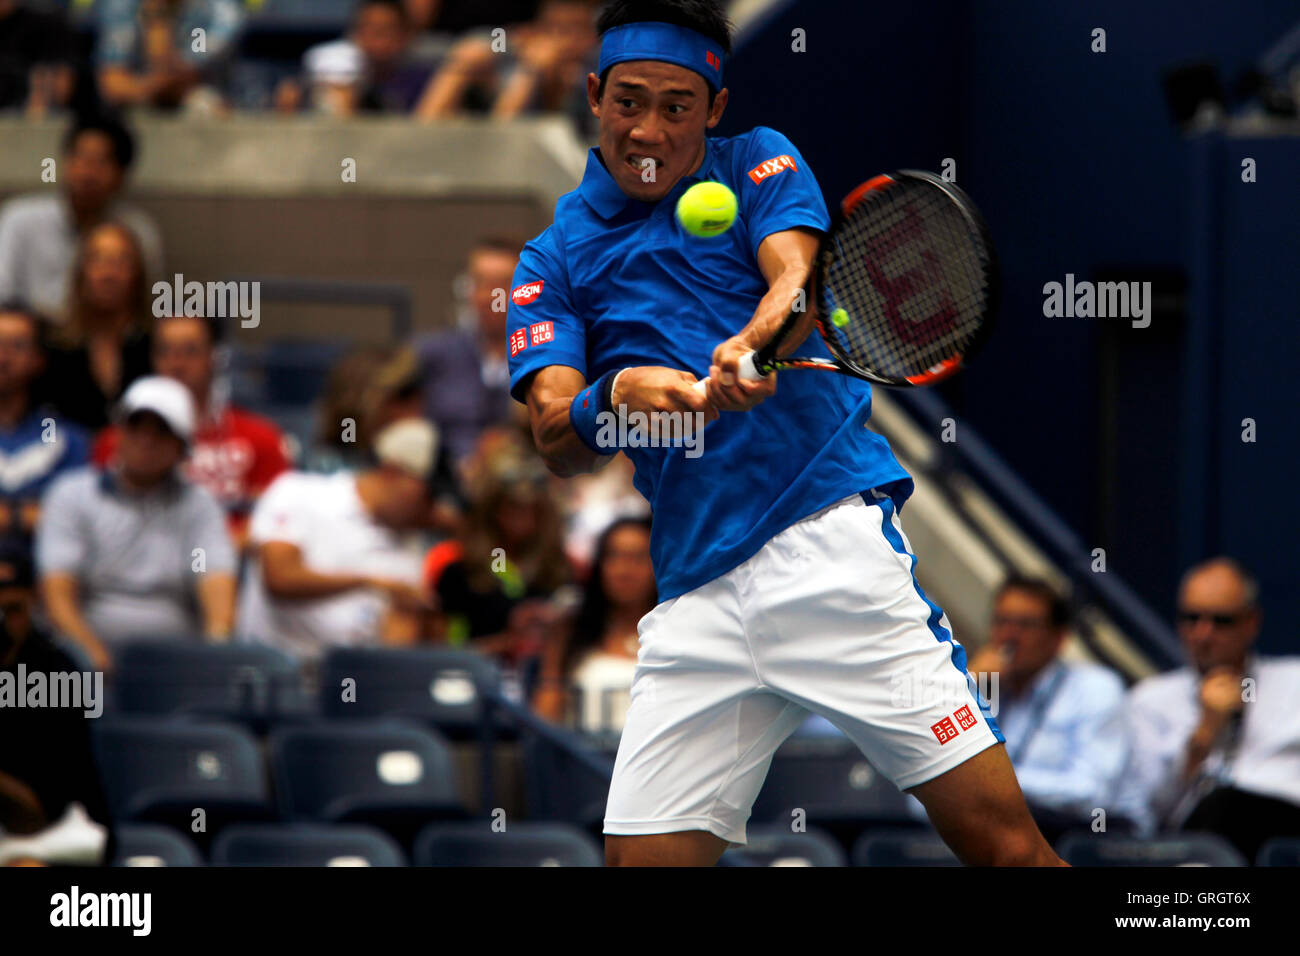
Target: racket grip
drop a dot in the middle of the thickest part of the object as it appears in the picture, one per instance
(746, 367)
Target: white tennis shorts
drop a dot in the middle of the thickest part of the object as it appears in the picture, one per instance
(827, 618)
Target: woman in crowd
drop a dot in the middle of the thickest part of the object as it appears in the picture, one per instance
(104, 345)
(588, 674)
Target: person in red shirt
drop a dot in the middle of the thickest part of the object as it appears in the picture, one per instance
(235, 454)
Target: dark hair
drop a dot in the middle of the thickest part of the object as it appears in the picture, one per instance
(589, 622)
(214, 327)
(117, 133)
(1058, 608)
(396, 6)
(38, 322)
(705, 17)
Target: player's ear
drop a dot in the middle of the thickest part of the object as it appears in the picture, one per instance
(719, 104)
(593, 94)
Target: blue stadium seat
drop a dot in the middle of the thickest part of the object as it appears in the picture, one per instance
(161, 771)
(522, 844)
(557, 787)
(830, 780)
(1085, 848)
(142, 844)
(778, 846)
(1280, 851)
(305, 844)
(245, 682)
(437, 686)
(902, 848)
(391, 774)
(295, 370)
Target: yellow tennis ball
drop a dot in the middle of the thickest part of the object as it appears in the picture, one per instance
(707, 209)
(839, 318)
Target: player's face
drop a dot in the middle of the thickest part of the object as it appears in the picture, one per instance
(653, 118)
(1022, 627)
(1214, 621)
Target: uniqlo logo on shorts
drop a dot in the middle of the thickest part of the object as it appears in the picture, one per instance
(965, 719)
(541, 332)
(528, 292)
(518, 341)
(944, 730)
(770, 168)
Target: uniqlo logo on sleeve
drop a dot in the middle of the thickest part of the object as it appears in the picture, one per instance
(541, 332)
(527, 293)
(944, 730)
(770, 168)
(518, 341)
(965, 719)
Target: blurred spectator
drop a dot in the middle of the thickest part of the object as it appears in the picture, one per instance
(129, 552)
(148, 53)
(35, 448)
(496, 581)
(41, 234)
(104, 345)
(456, 16)
(345, 422)
(1217, 742)
(594, 665)
(370, 71)
(337, 562)
(592, 501)
(1063, 720)
(465, 370)
(37, 59)
(48, 777)
(543, 67)
(235, 454)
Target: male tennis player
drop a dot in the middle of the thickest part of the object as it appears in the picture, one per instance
(785, 580)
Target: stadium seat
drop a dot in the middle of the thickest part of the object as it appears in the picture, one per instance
(387, 773)
(305, 845)
(902, 848)
(1085, 848)
(557, 787)
(441, 687)
(521, 844)
(140, 844)
(245, 682)
(830, 780)
(778, 846)
(1280, 851)
(296, 369)
(161, 771)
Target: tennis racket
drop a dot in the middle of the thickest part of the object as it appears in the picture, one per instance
(905, 284)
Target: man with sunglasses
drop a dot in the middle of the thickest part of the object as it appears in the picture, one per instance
(1217, 742)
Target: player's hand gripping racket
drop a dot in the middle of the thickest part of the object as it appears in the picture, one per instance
(905, 282)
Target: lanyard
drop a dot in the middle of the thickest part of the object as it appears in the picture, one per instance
(1036, 715)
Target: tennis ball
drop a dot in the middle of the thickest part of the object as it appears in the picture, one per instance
(707, 209)
(839, 318)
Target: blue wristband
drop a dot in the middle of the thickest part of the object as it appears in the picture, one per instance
(586, 409)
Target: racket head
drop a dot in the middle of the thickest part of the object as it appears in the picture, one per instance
(910, 262)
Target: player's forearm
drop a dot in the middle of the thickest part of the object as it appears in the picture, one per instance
(785, 295)
(559, 445)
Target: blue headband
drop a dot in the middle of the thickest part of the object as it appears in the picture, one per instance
(666, 42)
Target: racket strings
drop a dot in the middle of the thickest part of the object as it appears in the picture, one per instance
(912, 276)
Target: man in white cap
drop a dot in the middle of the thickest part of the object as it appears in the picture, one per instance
(136, 551)
(337, 557)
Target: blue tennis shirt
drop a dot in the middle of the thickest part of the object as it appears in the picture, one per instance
(616, 282)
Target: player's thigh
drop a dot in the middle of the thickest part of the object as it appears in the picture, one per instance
(685, 848)
(979, 810)
(850, 635)
(700, 730)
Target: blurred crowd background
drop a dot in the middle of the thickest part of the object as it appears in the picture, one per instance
(159, 488)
